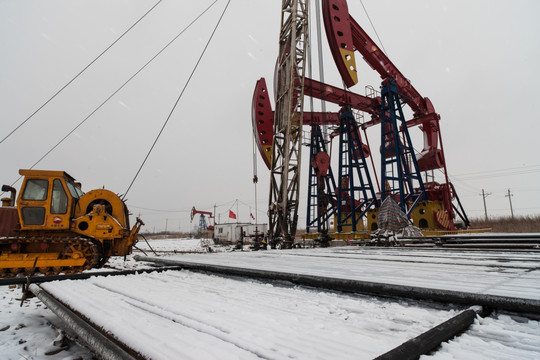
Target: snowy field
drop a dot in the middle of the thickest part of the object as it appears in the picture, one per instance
(30, 331)
(197, 316)
(500, 336)
(175, 245)
(188, 315)
(482, 272)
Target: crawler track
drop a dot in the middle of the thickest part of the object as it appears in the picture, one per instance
(48, 255)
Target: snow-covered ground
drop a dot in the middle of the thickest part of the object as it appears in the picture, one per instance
(175, 245)
(30, 331)
(513, 274)
(199, 316)
(500, 336)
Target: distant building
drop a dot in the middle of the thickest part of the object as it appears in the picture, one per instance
(237, 232)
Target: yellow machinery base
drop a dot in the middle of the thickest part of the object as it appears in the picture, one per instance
(14, 261)
(366, 235)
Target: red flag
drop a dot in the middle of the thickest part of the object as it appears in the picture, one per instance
(232, 215)
(253, 217)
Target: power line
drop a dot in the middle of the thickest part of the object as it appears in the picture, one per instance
(178, 100)
(503, 209)
(159, 210)
(76, 76)
(115, 92)
(208, 208)
(491, 173)
(500, 172)
(373, 26)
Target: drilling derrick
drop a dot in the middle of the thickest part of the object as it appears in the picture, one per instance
(288, 118)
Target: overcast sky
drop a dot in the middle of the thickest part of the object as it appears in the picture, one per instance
(476, 60)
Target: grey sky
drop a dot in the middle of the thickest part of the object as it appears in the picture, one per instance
(476, 60)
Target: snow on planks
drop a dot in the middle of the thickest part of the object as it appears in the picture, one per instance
(192, 315)
(499, 273)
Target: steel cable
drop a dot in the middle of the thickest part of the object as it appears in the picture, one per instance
(373, 26)
(115, 92)
(76, 76)
(178, 99)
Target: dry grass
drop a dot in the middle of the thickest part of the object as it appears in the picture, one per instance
(166, 235)
(518, 224)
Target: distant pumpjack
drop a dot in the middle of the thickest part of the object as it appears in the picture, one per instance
(202, 219)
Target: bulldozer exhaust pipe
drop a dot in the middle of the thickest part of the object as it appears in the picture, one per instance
(10, 201)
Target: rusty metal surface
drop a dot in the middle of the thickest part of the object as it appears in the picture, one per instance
(8, 221)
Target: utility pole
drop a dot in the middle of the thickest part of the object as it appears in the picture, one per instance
(509, 195)
(166, 223)
(484, 195)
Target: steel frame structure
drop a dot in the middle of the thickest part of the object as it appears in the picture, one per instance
(278, 133)
(322, 189)
(202, 223)
(355, 190)
(288, 120)
(399, 167)
(203, 226)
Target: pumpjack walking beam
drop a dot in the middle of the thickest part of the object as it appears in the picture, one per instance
(288, 118)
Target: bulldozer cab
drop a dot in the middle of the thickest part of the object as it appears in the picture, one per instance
(46, 200)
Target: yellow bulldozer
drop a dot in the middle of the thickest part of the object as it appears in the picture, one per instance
(56, 228)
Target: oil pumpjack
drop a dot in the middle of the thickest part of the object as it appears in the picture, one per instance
(354, 196)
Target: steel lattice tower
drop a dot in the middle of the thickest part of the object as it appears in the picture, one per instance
(400, 175)
(286, 148)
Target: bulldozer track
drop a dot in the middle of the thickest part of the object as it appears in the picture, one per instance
(44, 263)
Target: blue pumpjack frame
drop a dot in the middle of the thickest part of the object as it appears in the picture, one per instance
(322, 194)
(396, 168)
(356, 194)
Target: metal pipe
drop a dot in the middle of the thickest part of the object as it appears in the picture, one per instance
(431, 339)
(96, 341)
(81, 276)
(12, 192)
(365, 287)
